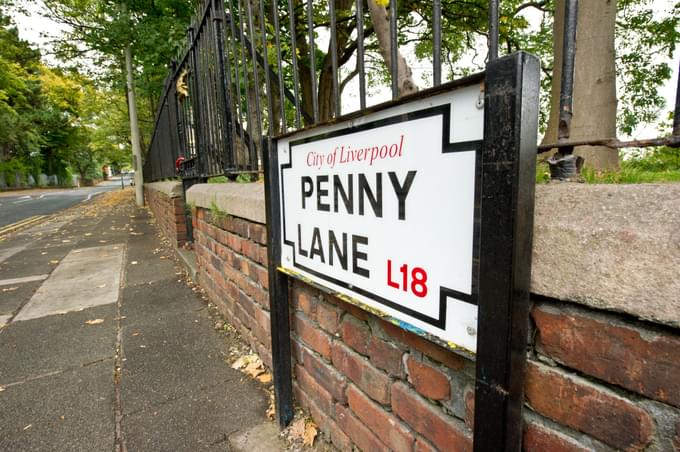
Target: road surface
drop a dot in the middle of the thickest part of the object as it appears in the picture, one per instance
(18, 206)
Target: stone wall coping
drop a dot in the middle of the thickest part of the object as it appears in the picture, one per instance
(613, 247)
(240, 200)
(171, 188)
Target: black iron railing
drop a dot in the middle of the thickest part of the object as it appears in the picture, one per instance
(247, 75)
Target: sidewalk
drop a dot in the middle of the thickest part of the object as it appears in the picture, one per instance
(106, 347)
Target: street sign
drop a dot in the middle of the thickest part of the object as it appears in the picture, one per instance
(383, 209)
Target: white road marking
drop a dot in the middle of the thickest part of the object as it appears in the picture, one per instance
(9, 252)
(89, 197)
(25, 279)
(23, 199)
(82, 280)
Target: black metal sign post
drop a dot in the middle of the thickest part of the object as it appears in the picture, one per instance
(278, 293)
(508, 179)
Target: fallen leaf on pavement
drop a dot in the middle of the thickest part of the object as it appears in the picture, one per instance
(133, 263)
(28, 426)
(265, 378)
(9, 289)
(239, 363)
(43, 253)
(65, 241)
(2, 388)
(94, 322)
(297, 430)
(271, 412)
(254, 369)
(137, 333)
(101, 286)
(54, 262)
(102, 241)
(87, 234)
(309, 435)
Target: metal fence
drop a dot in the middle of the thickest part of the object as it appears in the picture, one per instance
(247, 74)
(254, 69)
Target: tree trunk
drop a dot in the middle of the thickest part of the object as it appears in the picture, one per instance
(134, 129)
(594, 99)
(381, 23)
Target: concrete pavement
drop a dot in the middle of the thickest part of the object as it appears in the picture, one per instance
(104, 346)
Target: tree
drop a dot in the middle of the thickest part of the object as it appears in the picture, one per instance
(594, 95)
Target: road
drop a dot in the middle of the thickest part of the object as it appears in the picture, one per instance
(17, 206)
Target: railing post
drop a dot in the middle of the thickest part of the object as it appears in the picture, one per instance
(195, 96)
(225, 110)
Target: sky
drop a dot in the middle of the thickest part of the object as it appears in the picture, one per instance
(33, 26)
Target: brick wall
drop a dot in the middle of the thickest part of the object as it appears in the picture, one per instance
(596, 380)
(167, 205)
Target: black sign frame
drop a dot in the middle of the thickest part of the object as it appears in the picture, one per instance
(508, 160)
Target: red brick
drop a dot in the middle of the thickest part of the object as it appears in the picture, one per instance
(355, 311)
(423, 445)
(263, 326)
(313, 389)
(338, 437)
(306, 303)
(469, 408)
(296, 350)
(265, 353)
(328, 317)
(357, 431)
(357, 368)
(327, 376)
(538, 438)
(319, 416)
(386, 356)
(356, 334)
(383, 424)
(263, 259)
(257, 233)
(640, 360)
(432, 350)
(428, 380)
(445, 432)
(315, 338)
(582, 406)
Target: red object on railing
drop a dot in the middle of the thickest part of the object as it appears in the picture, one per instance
(178, 162)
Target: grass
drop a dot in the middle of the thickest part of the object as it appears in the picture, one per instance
(630, 175)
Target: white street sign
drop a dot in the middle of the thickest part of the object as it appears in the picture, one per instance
(382, 210)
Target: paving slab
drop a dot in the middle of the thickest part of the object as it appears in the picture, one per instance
(55, 343)
(41, 258)
(169, 357)
(12, 297)
(85, 278)
(69, 411)
(199, 421)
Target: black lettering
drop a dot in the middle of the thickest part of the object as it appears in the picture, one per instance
(402, 190)
(356, 255)
(334, 247)
(321, 192)
(301, 251)
(347, 196)
(374, 198)
(316, 248)
(306, 193)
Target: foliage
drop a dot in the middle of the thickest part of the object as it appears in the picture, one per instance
(53, 121)
(100, 31)
(644, 42)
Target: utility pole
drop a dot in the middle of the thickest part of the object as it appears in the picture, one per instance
(134, 126)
